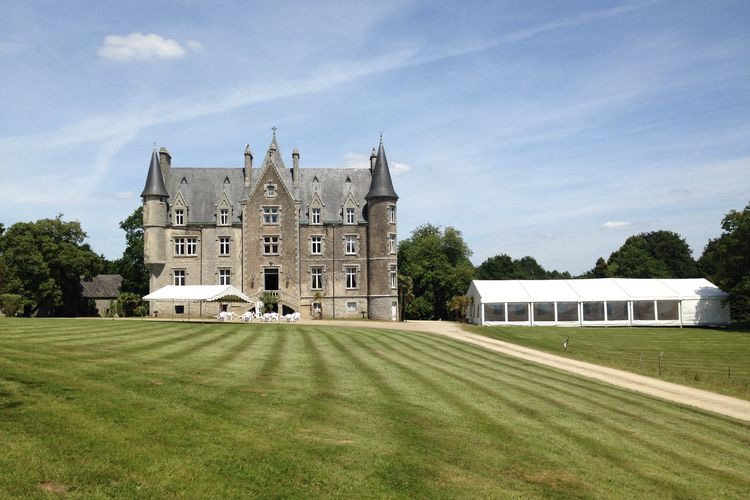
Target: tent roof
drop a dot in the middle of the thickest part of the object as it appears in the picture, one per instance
(198, 293)
(610, 289)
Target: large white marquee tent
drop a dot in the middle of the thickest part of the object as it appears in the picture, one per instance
(598, 302)
(197, 293)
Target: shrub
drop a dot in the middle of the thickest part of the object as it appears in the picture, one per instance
(10, 303)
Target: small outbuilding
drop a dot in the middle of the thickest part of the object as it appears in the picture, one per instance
(598, 302)
(102, 290)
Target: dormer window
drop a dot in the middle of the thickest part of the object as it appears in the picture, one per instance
(349, 216)
(224, 216)
(179, 217)
(270, 190)
(314, 216)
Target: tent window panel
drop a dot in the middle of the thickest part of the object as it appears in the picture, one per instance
(617, 311)
(179, 309)
(518, 311)
(667, 309)
(567, 311)
(593, 311)
(494, 312)
(643, 310)
(544, 311)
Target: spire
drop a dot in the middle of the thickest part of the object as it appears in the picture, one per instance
(154, 181)
(381, 185)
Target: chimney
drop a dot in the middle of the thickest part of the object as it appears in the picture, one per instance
(295, 167)
(165, 162)
(373, 157)
(248, 170)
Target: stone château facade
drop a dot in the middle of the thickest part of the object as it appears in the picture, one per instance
(323, 240)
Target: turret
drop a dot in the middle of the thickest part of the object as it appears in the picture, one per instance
(248, 170)
(381, 240)
(154, 213)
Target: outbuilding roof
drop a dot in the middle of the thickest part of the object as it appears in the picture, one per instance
(102, 286)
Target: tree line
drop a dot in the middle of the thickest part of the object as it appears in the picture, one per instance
(435, 268)
(42, 264)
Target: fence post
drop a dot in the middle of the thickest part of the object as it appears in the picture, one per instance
(660, 356)
(729, 374)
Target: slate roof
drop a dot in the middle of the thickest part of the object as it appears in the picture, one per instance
(102, 286)
(154, 181)
(381, 186)
(202, 187)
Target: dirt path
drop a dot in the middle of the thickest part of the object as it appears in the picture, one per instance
(705, 400)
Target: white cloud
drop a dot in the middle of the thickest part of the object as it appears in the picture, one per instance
(614, 225)
(125, 195)
(358, 160)
(140, 47)
(399, 168)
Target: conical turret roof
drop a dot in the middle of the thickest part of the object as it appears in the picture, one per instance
(154, 181)
(381, 185)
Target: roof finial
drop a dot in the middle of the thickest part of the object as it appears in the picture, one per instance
(154, 145)
(274, 130)
(381, 137)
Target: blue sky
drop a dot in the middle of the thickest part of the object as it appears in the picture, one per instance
(551, 129)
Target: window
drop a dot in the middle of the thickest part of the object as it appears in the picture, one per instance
(224, 245)
(316, 245)
(617, 311)
(593, 311)
(315, 216)
(179, 217)
(270, 191)
(351, 244)
(544, 311)
(567, 311)
(316, 278)
(179, 246)
(392, 243)
(393, 277)
(271, 278)
(351, 306)
(192, 246)
(179, 309)
(351, 277)
(224, 216)
(494, 312)
(349, 216)
(179, 277)
(667, 310)
(392, 214)
(270, 245)
(317, 307)
(643, 310)
(224, 278)
(518, 311)
(270, 215)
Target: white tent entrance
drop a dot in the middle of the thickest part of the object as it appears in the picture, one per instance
(598, 302)
(189, 295)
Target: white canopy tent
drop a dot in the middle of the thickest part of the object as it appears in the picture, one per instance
(198, 293)
(598, 302)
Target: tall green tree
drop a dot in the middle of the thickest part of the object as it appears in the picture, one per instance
(658, 254)
(438, 263)
(130, 266)
(726, 262)
(43, 262)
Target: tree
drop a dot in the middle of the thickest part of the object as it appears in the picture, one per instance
(130, 266)
(10, 304)
(601, 269)
(459, 305)
(726, 262)
(503, 267)
(43, 261)
(658, 254)
(405, 294)
(438, 263)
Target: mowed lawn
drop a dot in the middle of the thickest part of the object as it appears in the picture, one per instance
(717, 360)
(134, 408)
